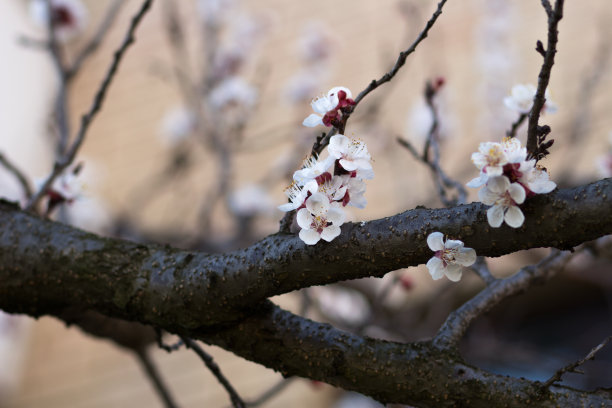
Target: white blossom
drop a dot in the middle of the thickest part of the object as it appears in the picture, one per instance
(504, 198)
(352, 153)
(297, 195)
(319, 220)
(177, 125)
(312, 167)
(537, 180)
(326, 107)
(521, 99)
(233, 91)
(70, 17)
(449, 258)
(250, 200)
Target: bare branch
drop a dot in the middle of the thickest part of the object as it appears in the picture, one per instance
(62, 164)
(18, 174)
(156, 380)
(216, 371)
(401, 59)
(554, 16)
(512, 131)
(441, 179)
(572, 368)
(458, 321)
(107, 22)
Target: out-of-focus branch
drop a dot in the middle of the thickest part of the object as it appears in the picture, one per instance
(512, 131)
(67, 159)
(18, 174)
(458, 321)
(573, 367)
(216, 371)
(153, 374)
(401, 59)
(441, 179)
(554, 16)
(92, 46)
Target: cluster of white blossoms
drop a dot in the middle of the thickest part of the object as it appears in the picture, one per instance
(521, 99)
(508, 178)
(322, 188)
(450, 256)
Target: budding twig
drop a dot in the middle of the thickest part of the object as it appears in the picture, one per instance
(61, 164)
(237, 402)
(554, 16)
(572, 368)
(19, 175)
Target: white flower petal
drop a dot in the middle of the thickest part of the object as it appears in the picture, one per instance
(330, 232)
(495, 216)
(318, 204)
(436, 268)
(313, 120)
(336, 216)
(514, 217)
(310, 237)
(478, 181)
(453, 272)
(466, 257)
(435, 241)
(304, 218)
(517, 192)
(338, 144)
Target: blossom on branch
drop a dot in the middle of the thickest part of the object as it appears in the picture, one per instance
(69, 17)
(521, 99)
(319, 220)
(329, 108)
(504, 197)
(449, 258)
(352, 154)
(329, 185)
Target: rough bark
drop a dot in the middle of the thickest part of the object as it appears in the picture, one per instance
(47, 268)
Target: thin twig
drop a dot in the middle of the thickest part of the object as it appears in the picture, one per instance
(237, 402)
(441, 179)
(572, 368)
(61, 102)
(155, 378)
(61, 164)
(401, 59)
(512, 131)
(482, 270)
(91, 47)
(19, 175)
(399, 63)
(554, 16)
(458, 321)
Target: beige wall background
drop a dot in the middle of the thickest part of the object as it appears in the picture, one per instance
(481, 47)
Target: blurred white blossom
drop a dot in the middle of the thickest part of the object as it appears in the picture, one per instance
(70, 17)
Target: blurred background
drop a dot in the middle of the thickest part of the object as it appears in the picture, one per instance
(201, 132)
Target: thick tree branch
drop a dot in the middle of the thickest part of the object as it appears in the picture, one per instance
(418, 374)
(47, 267)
